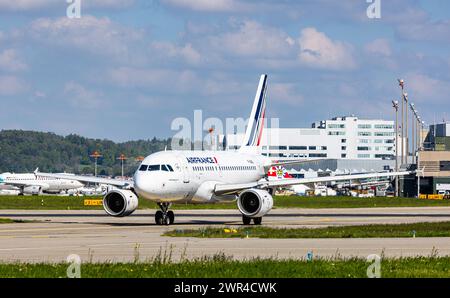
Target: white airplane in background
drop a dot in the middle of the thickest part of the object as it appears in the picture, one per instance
(179, 177)
(34, 184)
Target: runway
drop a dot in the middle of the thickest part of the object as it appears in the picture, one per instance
(94, 236)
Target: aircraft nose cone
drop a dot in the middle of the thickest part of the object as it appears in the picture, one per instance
(138, 184)
(144, 185)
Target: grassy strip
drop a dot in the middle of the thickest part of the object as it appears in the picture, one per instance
(8, 220)
(351, 202)
(435, 229)
(77, 203)
(46, 203)
(223, 267)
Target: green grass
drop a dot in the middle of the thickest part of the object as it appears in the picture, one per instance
(351, 202)
(45, 203)
(76, 203)
(8, 220)
(223, 267)
(435, 229)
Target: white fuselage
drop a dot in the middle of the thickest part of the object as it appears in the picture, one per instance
(192, 175)
(50, 185)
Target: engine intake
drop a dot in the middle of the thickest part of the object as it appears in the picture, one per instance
(120, 202)
(255, 202)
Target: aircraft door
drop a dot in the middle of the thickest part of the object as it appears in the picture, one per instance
(185, 170)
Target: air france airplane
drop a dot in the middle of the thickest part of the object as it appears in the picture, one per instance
(29, 183)
(179, 177)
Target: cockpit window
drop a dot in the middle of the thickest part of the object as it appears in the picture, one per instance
(167, 168)
(143, 168)
(154, 167)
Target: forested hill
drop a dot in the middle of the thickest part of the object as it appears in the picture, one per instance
(24, 151)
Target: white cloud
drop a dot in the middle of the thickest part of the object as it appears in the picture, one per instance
(34, 5)
(80, 97)
(174, 82)
(253, 39)
(148, 101)
(187, 52)
(286, 93)
(424, 88)
(379, 46)
(108, 3)
(425, 31)
(208, 5)
(24, 5)
(10, 62)
(11, 85)
(164, 79)
(319, 51)
(40, 94)
(95, 35)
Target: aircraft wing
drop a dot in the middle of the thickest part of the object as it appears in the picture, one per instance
(222, 189)
(18, 183)
(114, 182)
(294, 162)
(290, 163)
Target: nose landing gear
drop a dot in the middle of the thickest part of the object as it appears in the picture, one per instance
(247, 220)
(164, 216)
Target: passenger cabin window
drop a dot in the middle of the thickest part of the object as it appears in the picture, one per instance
(143, 168)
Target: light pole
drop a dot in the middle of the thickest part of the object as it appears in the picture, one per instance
(419, 136)
(122, 159)
(96, 155)
(401, 83)
(413, 130)
(405, 97)
(422, 125)
(395, 106)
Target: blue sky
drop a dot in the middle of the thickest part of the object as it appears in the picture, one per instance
(127, 68)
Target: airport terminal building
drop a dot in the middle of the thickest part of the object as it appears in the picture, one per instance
(435, 160)
(338, 138)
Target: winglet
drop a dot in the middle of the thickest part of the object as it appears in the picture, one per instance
(36, 171)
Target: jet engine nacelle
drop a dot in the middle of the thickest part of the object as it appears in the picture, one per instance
(32, 190)
(120, 202)
(255, 202)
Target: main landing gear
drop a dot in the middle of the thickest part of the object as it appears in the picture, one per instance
(247, 220)
(164, 216)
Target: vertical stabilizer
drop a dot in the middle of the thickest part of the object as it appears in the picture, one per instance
(253, 134)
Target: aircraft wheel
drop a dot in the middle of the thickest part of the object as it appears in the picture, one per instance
(246, 220)
(171, 217)
(257, 220)
(159, 217)
(166, 220)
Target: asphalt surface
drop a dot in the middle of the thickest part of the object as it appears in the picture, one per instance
(94, 236)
